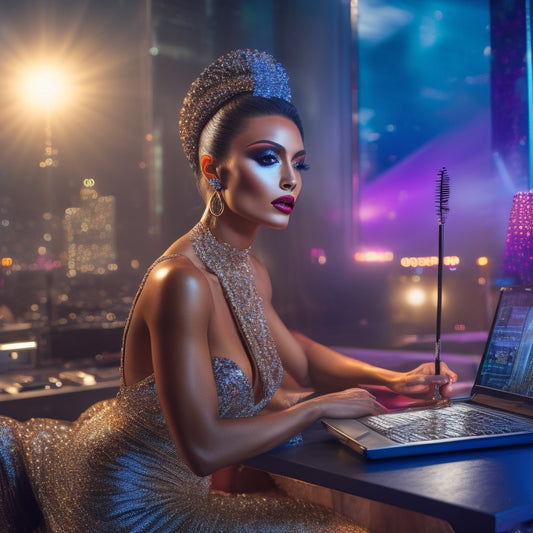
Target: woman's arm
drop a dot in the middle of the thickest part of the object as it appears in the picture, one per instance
(176, 304)
(325, 370)
(330, 370)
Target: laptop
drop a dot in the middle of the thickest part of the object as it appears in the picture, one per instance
(499, 411)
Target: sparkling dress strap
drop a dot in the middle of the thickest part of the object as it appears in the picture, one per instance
(234, 271)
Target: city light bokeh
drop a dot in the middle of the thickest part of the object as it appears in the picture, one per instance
(70, 113)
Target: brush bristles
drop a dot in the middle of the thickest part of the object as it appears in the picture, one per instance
(442, 194)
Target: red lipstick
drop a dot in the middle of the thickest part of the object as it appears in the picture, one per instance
(285, 204)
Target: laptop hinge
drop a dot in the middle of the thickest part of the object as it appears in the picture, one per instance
(515, 405)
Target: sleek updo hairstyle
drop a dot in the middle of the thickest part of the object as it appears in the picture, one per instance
(230, 120)
(239, 85)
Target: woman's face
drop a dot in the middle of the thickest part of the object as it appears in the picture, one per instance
(261, 174)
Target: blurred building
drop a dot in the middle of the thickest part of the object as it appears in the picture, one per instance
(90, 233)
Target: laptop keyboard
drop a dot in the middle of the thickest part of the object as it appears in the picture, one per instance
(454, 421)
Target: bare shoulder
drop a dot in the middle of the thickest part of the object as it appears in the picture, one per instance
(178, 268)
(176, 283)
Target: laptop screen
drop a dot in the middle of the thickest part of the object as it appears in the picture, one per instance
(507, 365)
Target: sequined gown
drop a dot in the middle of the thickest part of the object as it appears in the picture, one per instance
(116, 468)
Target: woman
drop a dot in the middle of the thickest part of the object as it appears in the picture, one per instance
(204, 351)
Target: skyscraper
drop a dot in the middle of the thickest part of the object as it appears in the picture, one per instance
(90, 233)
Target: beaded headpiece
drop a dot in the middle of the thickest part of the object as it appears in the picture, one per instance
(238, 72)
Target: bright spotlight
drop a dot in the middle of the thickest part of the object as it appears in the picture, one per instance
(44, 87)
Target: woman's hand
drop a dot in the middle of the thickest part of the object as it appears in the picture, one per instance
(422, 381)
(349, 403)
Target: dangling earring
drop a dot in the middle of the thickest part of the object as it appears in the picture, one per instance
(216, 204)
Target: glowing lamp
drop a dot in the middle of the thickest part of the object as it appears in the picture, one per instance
(416, 296)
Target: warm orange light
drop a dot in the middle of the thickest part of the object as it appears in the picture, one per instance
(373, 257)
(482, 261)
(416, 296)
(413, 262)
(7, 261)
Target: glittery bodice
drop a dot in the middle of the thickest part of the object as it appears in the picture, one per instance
(235, 273)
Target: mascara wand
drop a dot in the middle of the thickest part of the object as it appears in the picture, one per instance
(442, 195)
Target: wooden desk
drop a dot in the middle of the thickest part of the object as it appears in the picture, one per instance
(486, 491)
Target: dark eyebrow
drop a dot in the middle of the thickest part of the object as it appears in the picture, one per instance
(265, 141)
(278, 147)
